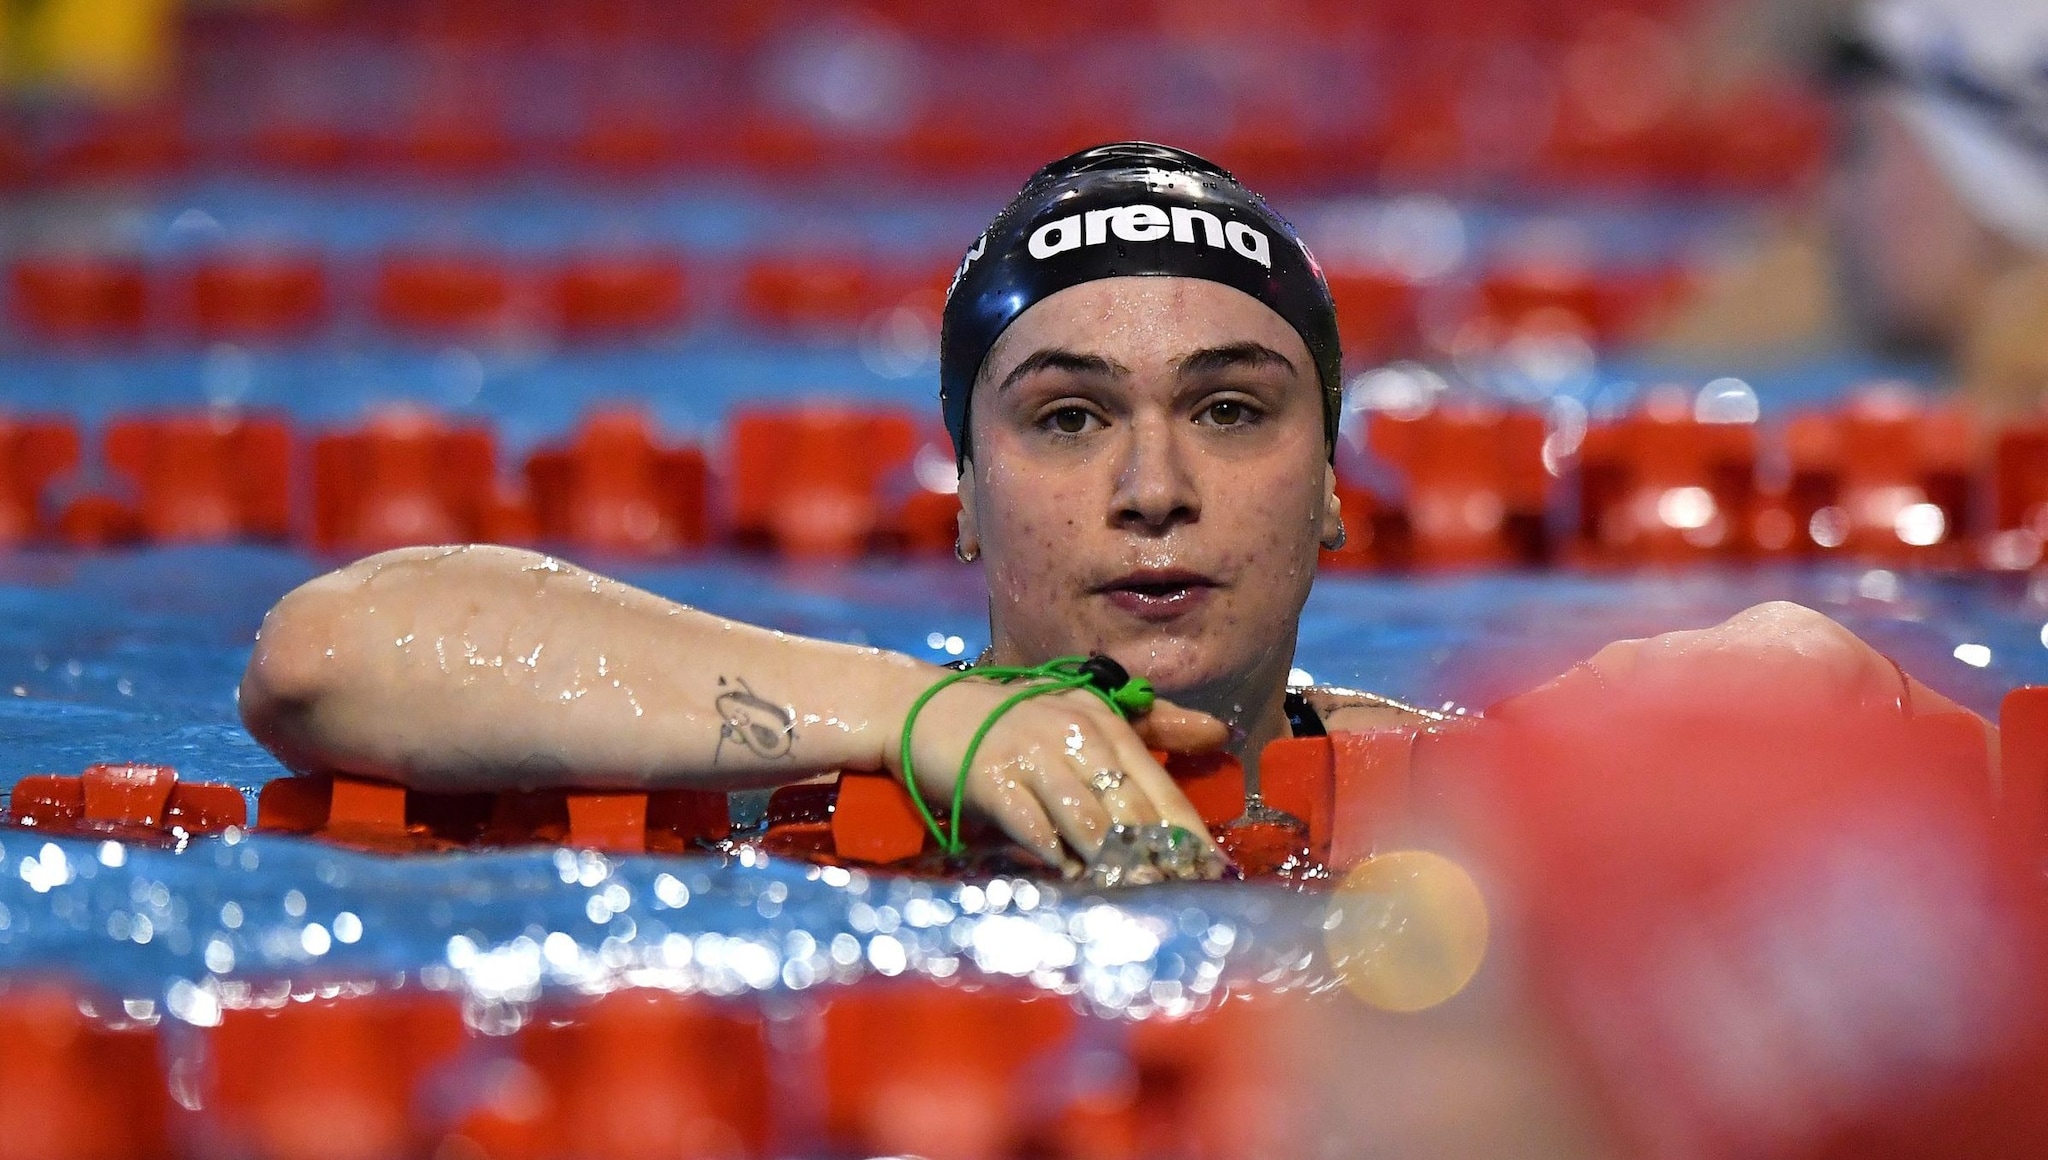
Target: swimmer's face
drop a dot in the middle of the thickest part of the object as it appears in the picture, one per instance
(1149, 480)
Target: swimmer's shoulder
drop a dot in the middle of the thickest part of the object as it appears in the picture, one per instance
(1354, 710)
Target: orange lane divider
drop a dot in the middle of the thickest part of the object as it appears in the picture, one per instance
(76, 1088)
(34, 451)
(1339, 797)
(1884, 479)
(610, 295)
(197, 477)
(1477, 489)
(384, 816)
(807, 480)
(122, 800)
(438, 293)
(80, 298)
(250, 294)
(405, 477)
(613, 488)
(1660, 486)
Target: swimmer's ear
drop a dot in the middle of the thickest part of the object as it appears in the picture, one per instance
(968, 544)
(1330, 529)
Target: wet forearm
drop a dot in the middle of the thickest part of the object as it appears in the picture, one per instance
(493, 668)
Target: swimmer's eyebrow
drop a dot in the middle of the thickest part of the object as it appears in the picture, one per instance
(1056, 359)
(1237, 354)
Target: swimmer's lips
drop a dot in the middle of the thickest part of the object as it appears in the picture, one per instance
(1160, 595)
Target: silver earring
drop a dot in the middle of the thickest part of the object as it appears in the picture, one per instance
(1342, 537)
(965, 554)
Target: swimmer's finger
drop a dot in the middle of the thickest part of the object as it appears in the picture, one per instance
(1176, 730)
(1080, 818)
(1124, 798)
(1024, 819)
(1169, 803)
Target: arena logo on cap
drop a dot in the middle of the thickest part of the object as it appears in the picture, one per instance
(1148, 223)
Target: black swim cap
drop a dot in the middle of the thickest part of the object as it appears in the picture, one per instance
(1124, 209)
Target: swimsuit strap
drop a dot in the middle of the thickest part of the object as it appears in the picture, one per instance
(1302, 717)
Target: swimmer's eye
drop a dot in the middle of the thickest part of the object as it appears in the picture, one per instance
(1229, 413)
(1069, 420)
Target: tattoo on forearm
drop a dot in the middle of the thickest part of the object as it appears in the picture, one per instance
(766, 729)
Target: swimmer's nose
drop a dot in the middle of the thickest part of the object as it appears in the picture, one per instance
(1155, 492)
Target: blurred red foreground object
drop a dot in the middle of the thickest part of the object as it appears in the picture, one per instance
(1777, 915)
(33, 452)
(135, 802)
(613, 489)
(210, 476)
(334, 1078)
(629, 1075)
(948, 1083)
(76, 1089)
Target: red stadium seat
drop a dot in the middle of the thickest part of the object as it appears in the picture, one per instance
(302, 147)
(80, 297)
(1375, 314)
(206, 477)
(614, 489)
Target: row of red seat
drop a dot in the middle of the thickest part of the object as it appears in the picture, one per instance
(259, 294)
(1881, 479)
(893, 1067)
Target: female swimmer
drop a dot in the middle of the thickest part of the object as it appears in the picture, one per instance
(1151, 359)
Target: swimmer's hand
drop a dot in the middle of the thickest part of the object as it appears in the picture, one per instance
(1048, 772)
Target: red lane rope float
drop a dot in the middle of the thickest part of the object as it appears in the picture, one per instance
(133, 802)
(1884, 478)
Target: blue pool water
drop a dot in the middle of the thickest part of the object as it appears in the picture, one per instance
(135, 656)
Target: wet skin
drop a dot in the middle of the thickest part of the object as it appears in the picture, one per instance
(1149, 479)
